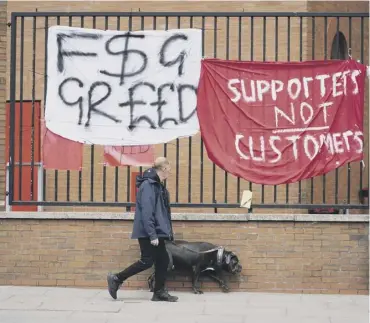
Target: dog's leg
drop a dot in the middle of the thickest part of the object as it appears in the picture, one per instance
(219, 280)
(170, 261)
(151, 281)
(195, 280)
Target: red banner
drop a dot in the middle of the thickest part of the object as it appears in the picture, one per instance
(58, 152)
(129, 155)
(275, 123)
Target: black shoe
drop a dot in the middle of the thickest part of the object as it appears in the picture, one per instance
(113, 285)
(163, 296)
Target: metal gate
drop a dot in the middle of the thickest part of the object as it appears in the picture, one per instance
(196, 182)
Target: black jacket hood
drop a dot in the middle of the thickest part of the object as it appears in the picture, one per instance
(150, 174)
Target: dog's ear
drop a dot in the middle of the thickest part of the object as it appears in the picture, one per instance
(230, 256)
(236, 259)
(233, 255)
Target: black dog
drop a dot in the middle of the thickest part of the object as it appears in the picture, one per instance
(200, 257)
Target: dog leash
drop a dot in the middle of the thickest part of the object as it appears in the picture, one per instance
(207, 251)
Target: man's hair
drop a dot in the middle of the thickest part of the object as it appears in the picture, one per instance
(160, 163)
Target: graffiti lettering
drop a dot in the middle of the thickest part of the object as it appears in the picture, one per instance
(123, 83)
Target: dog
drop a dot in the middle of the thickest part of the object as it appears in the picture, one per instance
(200, 257)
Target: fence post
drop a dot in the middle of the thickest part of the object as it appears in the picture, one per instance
(13, 56)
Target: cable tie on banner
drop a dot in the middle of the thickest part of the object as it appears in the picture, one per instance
(350, 53)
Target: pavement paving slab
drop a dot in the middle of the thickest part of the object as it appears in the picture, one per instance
(73, 305)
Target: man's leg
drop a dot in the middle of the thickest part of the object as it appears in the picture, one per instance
(161, 261)
(146, 261)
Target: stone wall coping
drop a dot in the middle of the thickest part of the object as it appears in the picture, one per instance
(189, 216)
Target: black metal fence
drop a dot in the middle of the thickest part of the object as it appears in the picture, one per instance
(197, 183)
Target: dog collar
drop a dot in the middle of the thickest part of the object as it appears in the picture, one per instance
(220, 254)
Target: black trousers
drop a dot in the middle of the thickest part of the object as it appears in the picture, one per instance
(150, 255)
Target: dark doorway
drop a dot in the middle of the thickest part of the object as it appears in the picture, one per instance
(339, 47)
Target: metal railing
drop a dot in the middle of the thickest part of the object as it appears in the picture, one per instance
(40, 187)
(197, 183)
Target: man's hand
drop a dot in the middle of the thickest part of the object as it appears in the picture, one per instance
(155, 242)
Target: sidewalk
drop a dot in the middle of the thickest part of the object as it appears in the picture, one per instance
(57, 305)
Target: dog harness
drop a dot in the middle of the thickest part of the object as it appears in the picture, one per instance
(220, 254)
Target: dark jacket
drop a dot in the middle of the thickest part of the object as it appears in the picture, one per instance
(152, 213)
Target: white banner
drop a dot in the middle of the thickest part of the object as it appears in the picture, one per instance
(122, 88)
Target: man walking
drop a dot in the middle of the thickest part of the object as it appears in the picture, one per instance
(152, 226)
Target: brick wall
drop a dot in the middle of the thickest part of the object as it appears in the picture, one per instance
(276, 256)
